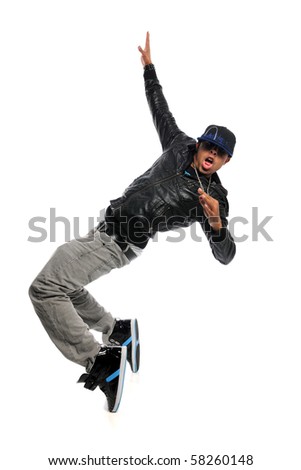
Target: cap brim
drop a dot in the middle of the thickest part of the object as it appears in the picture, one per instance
(207, 139)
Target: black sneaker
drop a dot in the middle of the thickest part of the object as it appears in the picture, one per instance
(126, 333)
(108, 373)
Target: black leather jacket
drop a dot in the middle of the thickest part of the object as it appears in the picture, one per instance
(165, 197)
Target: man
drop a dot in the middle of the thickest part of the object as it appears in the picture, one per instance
(180, 188)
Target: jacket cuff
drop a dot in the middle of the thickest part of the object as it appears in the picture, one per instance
(150, 72)
(220, 236)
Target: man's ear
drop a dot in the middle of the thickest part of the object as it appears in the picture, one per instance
(228, 159)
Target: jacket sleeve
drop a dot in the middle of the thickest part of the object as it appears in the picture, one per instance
(221, 242)
(163, 119)
(222, 245)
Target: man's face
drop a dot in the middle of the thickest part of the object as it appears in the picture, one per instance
(210, 158)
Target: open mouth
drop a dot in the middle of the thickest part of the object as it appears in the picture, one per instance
(208, 162)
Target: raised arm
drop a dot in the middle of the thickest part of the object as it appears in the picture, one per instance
(163, 119)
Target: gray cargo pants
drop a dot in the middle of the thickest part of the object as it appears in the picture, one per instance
(66, 309)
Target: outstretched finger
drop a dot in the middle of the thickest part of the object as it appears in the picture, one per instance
(147, 42)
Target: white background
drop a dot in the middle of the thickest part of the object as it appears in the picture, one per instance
(220, 365)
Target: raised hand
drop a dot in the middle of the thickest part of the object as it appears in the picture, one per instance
(145, 53)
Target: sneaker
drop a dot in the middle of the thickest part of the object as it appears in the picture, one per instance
(108, 373)
(126, 333)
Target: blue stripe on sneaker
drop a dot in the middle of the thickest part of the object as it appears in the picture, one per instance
(127, 342)
(113, 376)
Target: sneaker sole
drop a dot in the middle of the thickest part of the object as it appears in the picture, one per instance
(135, 354)
(120, 379)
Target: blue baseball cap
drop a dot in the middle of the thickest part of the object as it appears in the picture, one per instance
(220, 136)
